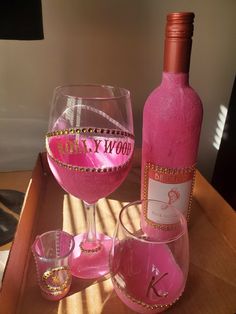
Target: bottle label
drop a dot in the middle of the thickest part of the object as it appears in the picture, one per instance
(172, 186)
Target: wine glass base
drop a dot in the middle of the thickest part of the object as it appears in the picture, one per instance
(91, 264)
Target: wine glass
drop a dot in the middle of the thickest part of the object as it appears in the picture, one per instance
(149, 272)
(90, 145)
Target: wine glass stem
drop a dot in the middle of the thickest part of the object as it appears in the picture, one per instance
(91, 223)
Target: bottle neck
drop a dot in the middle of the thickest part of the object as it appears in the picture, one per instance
(178, 42)
(177, 55)
(170, 80)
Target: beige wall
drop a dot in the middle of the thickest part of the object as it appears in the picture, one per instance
(112, 42)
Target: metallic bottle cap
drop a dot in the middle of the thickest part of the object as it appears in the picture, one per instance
(178, 42)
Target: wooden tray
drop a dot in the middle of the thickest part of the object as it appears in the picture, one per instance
(211, 286)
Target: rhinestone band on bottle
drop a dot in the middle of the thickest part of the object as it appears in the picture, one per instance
(171, 171)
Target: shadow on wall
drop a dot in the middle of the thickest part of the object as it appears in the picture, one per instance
(225, 168)
(20, 143)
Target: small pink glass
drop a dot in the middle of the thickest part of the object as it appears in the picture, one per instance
(52, 251)
(149, 273)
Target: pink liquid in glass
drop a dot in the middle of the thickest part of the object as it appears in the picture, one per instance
(89, 167)
(146, 277)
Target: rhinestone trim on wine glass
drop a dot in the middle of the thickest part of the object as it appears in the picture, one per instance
(143, 304)
(91, 131)
(82, 131)
(86, 169)
(88, 251)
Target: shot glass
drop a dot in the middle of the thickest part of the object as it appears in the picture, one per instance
(52, 252)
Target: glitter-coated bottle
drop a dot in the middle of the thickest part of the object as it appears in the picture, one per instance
(172, 121)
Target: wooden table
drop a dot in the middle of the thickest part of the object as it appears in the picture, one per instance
(211, 285)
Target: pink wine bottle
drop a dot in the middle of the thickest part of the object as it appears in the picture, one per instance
(172, 121)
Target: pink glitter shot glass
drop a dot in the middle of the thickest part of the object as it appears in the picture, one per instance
(52, 252)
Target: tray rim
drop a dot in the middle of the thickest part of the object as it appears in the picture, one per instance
(17, 263)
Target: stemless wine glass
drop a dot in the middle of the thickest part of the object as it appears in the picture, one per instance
(89, 145)
(149, 274)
